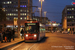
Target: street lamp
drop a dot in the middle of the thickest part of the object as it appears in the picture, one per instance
(45, 13)
(41, 8)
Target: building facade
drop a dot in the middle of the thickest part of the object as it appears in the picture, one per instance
(45, 20)
(11, 8)
(68, 18)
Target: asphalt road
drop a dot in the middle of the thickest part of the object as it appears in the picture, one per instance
(52, 41)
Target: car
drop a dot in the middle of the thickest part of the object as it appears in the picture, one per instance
(66, 32)
(52, 31)
(47, 31)
(58, 31)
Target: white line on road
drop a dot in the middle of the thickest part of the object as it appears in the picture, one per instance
(31, 46)
(16, 47)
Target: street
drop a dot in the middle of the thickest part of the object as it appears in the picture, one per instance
(52, 41)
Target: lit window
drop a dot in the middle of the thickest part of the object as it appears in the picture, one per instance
(14, 14)
(25, 18)
(15, 18)
(8, 2)
(25, 14)
(16, 10)
(67, 9)
(70, 16)
(25, 5)
(72, 8)
(27, 10)
(4, 2)
(21, 10)
(21, 18)
(3, 10)
(21, 14)
(7, 18)
(10, 14)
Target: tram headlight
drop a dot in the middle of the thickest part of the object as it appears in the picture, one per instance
(35, 35)
(26, 35)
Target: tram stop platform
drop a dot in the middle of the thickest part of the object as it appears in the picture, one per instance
(5, 45)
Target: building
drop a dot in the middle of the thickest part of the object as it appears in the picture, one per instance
(53, 26)
(45, 20)
(68, 18)
(11, 8)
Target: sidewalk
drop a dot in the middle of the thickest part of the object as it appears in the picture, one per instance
(7, 44)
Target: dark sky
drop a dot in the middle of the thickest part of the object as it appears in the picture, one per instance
(53, 7)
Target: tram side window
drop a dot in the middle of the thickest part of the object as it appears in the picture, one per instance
(42, 29)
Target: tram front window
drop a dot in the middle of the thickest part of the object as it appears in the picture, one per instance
(31, 28)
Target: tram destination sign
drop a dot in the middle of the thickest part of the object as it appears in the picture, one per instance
(31, 23)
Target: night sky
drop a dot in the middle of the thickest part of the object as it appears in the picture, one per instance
(53, 7)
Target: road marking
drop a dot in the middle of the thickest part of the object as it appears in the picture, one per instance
(16, 47)
(31, 46)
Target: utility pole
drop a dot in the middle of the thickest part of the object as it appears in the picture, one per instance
(45, 16)
(41, 10)
(19, 18)
(28, 16)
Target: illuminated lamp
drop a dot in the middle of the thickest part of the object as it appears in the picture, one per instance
(73, 2)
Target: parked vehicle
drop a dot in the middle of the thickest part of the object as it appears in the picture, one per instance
(58, 31)
(47, 31)
(66, 32)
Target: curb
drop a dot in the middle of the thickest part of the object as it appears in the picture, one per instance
(6, 48)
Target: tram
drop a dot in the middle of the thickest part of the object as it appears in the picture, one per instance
(34, 31)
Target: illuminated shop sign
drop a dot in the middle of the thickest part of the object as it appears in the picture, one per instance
(73, 3)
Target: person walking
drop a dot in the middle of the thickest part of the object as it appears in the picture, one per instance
(3, 32)
(13, 34)
(9, 37)
(22, 32)
(5, 36)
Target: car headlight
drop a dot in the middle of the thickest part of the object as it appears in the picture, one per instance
(26, 35)
(35, 35)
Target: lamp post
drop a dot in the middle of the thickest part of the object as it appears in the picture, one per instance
(45, 16)
(19, 18)
(28, 14)
(41, 9)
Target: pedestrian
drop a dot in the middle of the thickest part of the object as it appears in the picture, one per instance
(3, 32)
(22, 32)
(13, 34)
(9, 37)
(1, 36)
(5, 36)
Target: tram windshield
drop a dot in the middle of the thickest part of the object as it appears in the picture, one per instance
(31, 28)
